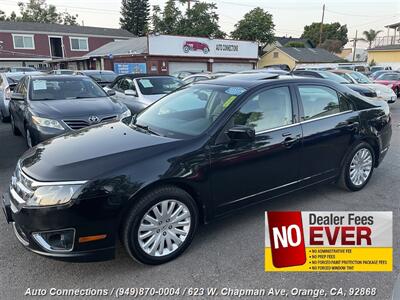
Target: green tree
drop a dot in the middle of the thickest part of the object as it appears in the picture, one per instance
(39, 11)
(166, 21)
(2, 16)
(256, 25)
(201, 20)
(333, 31)
(295, 44)
(371, 35)
(334, 46)
(135, 16)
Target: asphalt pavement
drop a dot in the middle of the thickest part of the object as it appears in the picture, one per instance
(227, 253)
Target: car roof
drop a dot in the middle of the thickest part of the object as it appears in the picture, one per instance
(95, 71)
(141, 75)
(52, 76)
(256, 79)
(341, 71)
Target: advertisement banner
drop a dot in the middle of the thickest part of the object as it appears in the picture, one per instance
(166, 45)
(130, 68)
(328, 241)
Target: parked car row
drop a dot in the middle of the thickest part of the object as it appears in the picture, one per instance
(150, 180)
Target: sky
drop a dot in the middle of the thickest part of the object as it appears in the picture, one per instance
(289, 16)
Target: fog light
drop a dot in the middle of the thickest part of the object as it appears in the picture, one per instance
(57, 240)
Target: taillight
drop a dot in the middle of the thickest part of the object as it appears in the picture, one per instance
(8, 93)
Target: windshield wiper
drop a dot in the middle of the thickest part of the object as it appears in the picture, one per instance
(145, 128)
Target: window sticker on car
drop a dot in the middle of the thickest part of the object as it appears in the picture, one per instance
(229, 101)
(39, 85)
(146, 83)
(235, 91)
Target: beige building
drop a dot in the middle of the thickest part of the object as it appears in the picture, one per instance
(293, 56)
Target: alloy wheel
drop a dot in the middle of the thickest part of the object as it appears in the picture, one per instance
(164, 228)
(361, 166)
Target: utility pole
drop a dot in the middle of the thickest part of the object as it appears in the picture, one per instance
(322, 24)
(355, 46)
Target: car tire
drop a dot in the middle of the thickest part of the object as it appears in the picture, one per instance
(397, 92)
(14, 129)
(3, 118)
(358, 167)
(146, 241)
(186, 49)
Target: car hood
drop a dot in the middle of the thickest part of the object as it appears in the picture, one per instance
(59, 109)
(386, 82)
(380, 87)
(149, 99)
(359, 87)
(88, 153)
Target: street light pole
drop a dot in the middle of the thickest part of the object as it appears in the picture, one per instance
(322, 24)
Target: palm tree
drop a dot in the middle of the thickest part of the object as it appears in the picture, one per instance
(371, 35)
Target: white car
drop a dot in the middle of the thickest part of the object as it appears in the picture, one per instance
(137, 91)
(383, 92)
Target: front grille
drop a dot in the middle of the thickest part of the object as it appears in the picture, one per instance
(79, 124)
(76, 124)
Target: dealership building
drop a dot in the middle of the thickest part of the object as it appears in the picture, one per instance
(167, 54)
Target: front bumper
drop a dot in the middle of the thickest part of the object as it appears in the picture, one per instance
(28, 221)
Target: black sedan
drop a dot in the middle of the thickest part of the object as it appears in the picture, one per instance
(363, 90)
(197, 154)
(45, 106)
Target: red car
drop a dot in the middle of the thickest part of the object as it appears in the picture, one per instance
(195, 46)
(392, 80)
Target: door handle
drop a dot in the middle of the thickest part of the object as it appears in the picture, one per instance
(352, 125)
(289, 141)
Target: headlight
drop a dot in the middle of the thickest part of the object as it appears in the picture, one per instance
(44, 122)
(125, 114)
(52, 195)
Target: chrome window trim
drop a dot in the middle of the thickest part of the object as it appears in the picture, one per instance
(276, 128)
(324, 117)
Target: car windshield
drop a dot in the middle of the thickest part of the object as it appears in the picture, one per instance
(59, 88)
(386, 76)
(333, 77)
(360, 78)
(189, 111)
(158, 85)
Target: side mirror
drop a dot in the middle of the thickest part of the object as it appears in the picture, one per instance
(17, 97)
(241, 133)
(130, 93)
(110, 92)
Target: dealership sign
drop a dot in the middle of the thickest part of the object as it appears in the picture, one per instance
(328, 241)
(167, 45)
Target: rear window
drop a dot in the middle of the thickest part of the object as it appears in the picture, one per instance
(158, 85)
(389, 77)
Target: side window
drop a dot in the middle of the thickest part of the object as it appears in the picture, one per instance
(267, 109)
(126, 84)
(320, 101)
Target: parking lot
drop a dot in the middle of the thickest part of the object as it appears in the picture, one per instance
(227, 253)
